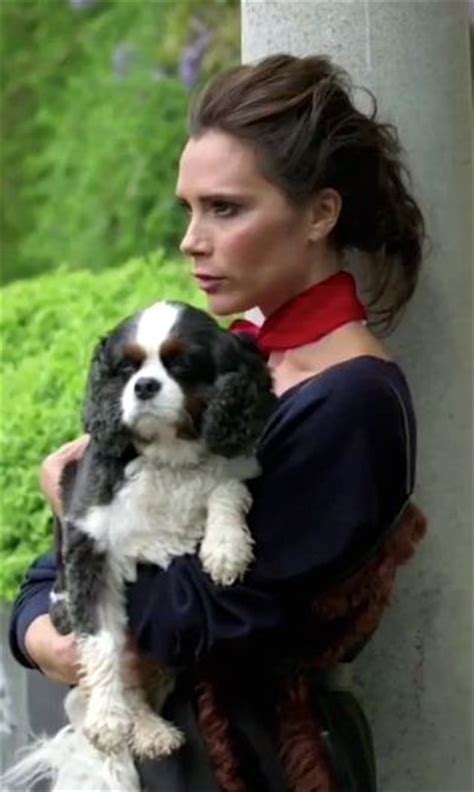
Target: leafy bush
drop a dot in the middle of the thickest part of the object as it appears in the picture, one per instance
(50, 326)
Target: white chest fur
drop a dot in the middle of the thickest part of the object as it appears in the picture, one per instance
(160, 512)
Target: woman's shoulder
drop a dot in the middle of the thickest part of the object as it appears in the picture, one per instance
(361, 389)
(338, 459)
(349, 379)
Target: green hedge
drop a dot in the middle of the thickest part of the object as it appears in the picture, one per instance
(50, 326)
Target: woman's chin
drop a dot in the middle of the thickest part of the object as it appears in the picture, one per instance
(226, 305)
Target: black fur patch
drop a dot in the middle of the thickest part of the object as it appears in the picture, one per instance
(227, 386)
(59, 611)
(85, 569)
(188, 354)
(243, 398)
(111, 368)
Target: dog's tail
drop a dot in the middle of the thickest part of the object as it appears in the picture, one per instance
(70, 763)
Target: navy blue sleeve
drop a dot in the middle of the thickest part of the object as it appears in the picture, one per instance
(32, 601)
(334, 474)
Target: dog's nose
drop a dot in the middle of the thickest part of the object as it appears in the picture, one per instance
(146, 387)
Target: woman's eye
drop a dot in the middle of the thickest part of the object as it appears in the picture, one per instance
(225, 209)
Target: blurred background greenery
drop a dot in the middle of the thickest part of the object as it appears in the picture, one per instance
(50, 325)
(94, 99)
(94, 96)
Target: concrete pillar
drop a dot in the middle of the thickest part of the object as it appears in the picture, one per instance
(416, 675)
(30, 704)
(13, 699)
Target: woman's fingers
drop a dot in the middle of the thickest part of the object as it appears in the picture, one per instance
(56, 655)
(53, 466)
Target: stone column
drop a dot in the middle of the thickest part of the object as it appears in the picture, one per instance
(416, 675)
(13, 699)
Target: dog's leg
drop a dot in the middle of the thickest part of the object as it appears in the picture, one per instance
(96, 604)
(58, 598)
(152, 736)
(59, 605)
(226, 549)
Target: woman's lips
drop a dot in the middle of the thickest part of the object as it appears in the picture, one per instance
(208, 283)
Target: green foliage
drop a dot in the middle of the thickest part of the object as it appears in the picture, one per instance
(221, 17)
(50, 326)
(94, 118)
(96, 204)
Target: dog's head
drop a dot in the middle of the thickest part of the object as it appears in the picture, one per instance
(171, 370)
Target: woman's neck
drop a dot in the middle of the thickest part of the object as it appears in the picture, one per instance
(293, 366)
(324, 264)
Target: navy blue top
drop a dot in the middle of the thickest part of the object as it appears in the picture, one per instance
(338, 462)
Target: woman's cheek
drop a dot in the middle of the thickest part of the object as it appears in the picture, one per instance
(247, 246)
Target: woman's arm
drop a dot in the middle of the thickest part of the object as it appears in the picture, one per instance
(34, 641)
(334, 473)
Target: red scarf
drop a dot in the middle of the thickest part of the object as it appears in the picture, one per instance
(308, 316)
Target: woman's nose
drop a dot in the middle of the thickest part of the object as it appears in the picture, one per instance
(195, 241)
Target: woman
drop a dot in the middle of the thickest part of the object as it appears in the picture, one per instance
(281, 177)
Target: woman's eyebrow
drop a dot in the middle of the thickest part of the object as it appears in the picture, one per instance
(222, 196)
(213, 196)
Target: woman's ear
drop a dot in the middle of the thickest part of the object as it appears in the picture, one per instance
(242, 401)
(325, 210)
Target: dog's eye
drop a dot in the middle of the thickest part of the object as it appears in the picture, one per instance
(127, 366)
(191, 367)
(179, 365)
(128, 359)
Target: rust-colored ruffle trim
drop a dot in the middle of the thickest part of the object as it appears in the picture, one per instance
(303, 750)
(216, 729)
(360, 602)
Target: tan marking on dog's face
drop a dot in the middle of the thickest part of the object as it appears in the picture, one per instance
(172, 348)
(134, 353)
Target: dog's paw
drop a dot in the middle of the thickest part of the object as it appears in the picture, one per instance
(226, 555)
(59, 613)
(110, 732)
(153, 737)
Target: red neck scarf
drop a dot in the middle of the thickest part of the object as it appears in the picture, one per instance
(307, 317)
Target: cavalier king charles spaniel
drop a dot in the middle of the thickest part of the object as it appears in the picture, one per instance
(174, 408)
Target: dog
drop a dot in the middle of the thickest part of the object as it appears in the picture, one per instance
(174, 407)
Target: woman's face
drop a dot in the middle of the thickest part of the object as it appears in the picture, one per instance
(248, 245)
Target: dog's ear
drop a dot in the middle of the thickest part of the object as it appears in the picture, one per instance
(102, 407)
(242, 399)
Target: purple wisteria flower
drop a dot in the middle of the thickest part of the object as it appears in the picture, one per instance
(82, 5)
(193, 54)
(124, 59)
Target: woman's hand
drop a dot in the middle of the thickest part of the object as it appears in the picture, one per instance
(58, 658)
(55, 654)
(53, 466)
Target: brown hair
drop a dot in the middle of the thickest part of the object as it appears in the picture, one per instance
(299, 116)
